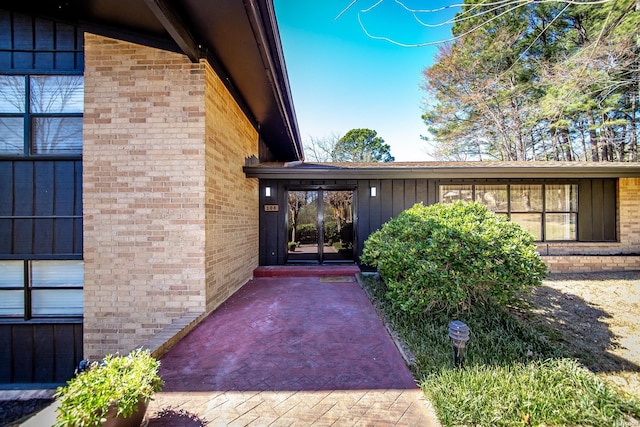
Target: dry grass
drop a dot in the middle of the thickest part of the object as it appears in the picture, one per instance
(597, 317)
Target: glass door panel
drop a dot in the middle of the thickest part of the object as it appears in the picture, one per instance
(337, 226)
(303, 234)
(320, 226)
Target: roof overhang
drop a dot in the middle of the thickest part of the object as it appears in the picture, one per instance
(443, 170)
(240, 39)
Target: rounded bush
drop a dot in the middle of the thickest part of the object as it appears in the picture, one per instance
(453, 257)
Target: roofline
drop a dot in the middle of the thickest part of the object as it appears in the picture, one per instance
(446, 171)
(270, 47)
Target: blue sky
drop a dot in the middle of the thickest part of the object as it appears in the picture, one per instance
(342, 79)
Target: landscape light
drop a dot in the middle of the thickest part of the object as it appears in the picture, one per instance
(459, 334)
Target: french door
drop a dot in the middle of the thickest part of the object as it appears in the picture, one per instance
(320, 226)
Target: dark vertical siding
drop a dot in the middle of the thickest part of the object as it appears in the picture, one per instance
(67, 340)
(39, 353)
(29, 44)
(394, 196)
(40, 204)
(43, 365)
(41, 210)
(610, 189)
(385, 194)
(5, 352)
(22, 346)
(597, 210)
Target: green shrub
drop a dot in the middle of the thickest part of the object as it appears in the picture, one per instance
(452, 257)
(121, 382)
(307, 233)
(331, 232)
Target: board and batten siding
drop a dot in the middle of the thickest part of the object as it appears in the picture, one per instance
(41, 352)
(40, 205)
(41, 214)
(393, 197)
(597, 218)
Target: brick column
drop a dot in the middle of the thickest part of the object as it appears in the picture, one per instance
(629, 220)
(155, 125)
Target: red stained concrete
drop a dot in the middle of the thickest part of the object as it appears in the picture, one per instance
(306, 270)
(288, 333)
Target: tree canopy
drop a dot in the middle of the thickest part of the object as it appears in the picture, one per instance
(361, 145)
(537, 81)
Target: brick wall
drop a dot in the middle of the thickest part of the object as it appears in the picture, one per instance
(231, 214)
(591, 263)
(629, 208)
(156, 127)
(603, 256)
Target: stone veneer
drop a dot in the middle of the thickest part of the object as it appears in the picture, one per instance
(603, 256)
(170, 220)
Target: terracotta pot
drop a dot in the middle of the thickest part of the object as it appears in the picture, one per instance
(133, 420)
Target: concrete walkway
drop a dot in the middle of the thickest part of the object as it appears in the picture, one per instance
(289, 351)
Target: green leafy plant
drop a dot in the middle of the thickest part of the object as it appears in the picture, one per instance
(118, 382)
(516, 373)
(452, 257)
(307, 233)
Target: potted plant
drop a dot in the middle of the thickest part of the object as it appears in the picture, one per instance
(115, 392)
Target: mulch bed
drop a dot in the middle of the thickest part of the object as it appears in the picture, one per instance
(12, 412)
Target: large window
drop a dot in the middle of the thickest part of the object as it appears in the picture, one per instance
(41, 115)
(548, 211)
(36, 289)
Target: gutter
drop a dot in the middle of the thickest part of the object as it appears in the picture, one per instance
(277, 76)
(444, 172)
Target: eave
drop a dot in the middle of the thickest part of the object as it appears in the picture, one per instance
(443, 170)
(240, 39)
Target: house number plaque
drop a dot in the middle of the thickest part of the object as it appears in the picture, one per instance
(271, 208)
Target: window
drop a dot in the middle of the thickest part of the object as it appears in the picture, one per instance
(41, 115)
(548, 211)
(32, 289)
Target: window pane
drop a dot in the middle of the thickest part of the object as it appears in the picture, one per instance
(11, 135)
(492, 196)
(57, 273)
(12, 94)
(561, 198)
(11, 274)
(57, 135)
(11, 303)
(452, 193)
(57, 94)
(560, 227)
(526, 198)
(530, 222)
(57, 302)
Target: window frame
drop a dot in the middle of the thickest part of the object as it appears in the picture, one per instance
(542, 211)
(28, 117)
(27, 289)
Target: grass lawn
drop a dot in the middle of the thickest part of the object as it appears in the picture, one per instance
(517, 372)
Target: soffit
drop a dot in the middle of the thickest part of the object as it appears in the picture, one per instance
(240, 38)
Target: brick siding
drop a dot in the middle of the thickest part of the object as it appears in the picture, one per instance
(170, 221)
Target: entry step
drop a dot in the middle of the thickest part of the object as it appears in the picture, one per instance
(306, 270)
